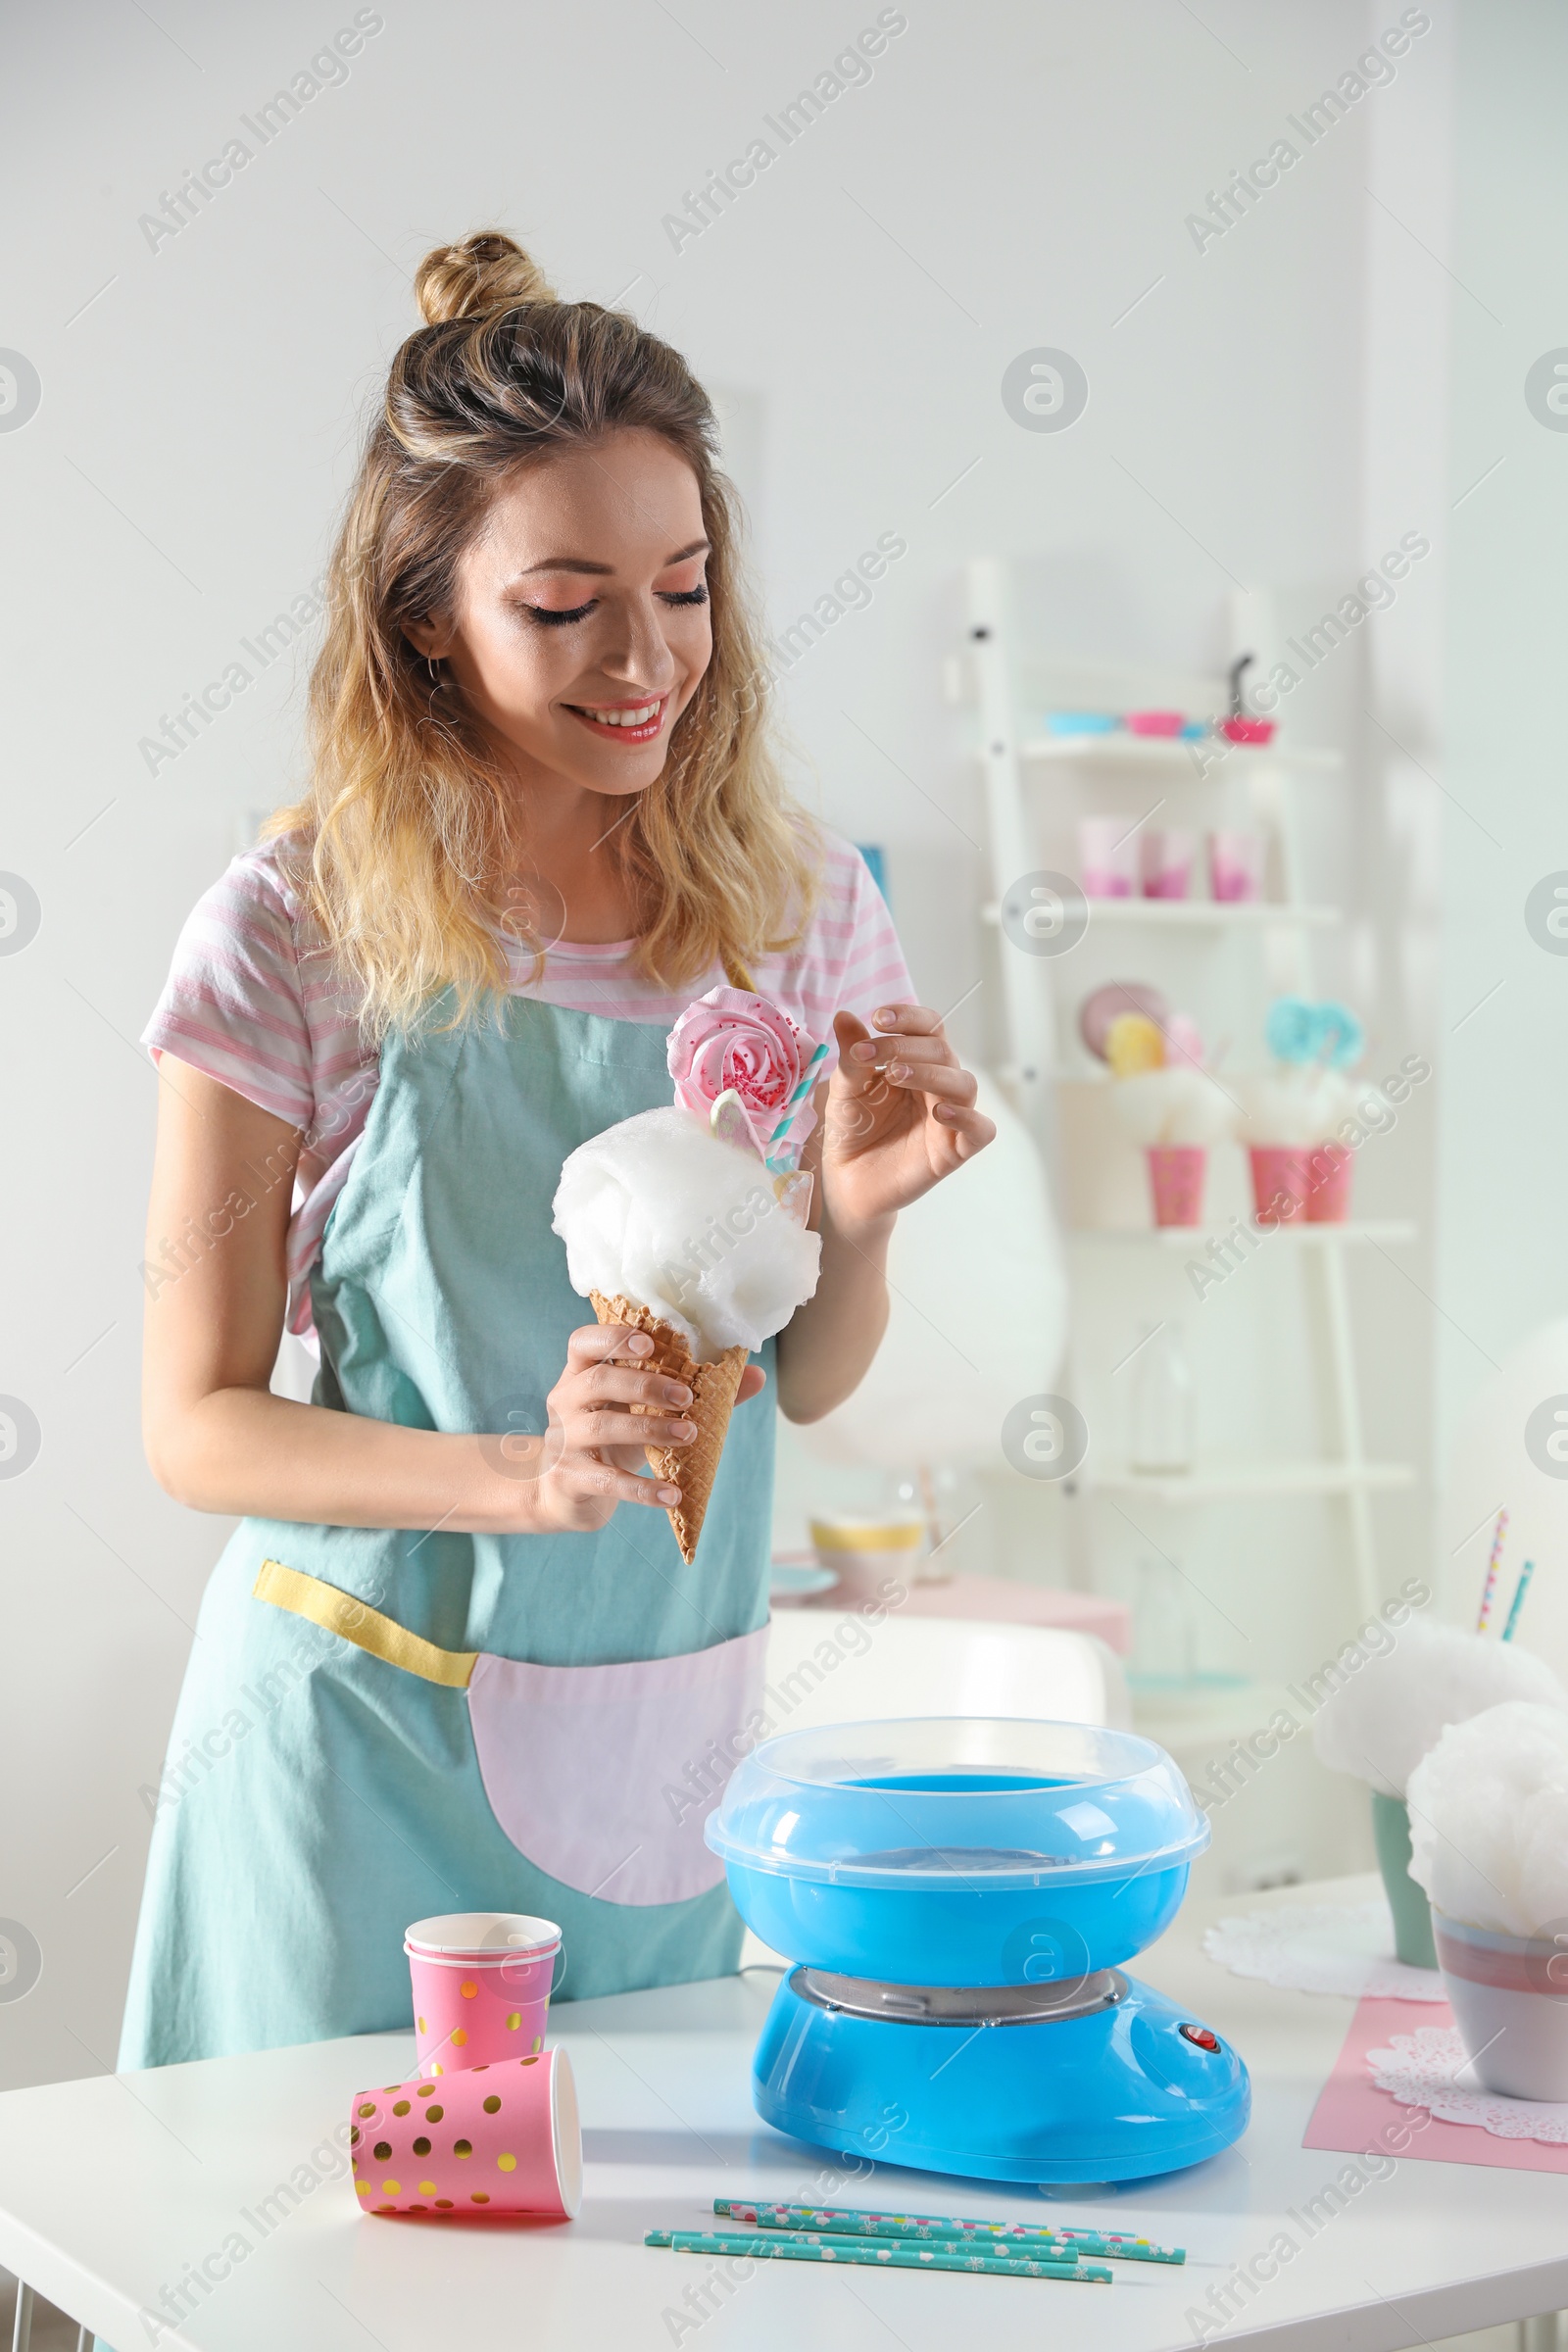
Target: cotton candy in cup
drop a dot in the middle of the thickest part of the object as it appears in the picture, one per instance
(1295, 1108)
(500, 2139)
(1488, 1820)
(658, 1209)
(481, 1984)
(1388, 1708)
(1176, 1104)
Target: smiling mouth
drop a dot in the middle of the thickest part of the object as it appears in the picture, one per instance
(622, 722)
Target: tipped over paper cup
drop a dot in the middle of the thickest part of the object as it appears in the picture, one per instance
(502, 2138)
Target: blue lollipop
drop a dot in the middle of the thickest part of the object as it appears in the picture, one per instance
(1291, 1031)
(1341, 1040)
(1299, 1031)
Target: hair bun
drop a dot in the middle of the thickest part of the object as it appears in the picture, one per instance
(482, 274)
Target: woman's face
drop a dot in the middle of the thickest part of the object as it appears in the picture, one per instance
(582, 625)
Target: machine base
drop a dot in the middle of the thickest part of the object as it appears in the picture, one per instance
(1109, 2091)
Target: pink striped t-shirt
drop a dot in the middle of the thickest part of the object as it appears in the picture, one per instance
(251, 1001)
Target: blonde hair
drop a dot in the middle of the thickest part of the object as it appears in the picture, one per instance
(403, 840)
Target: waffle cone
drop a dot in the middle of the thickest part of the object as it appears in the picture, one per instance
(694, 1467)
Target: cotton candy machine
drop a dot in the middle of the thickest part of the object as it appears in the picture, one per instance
(959, 1894)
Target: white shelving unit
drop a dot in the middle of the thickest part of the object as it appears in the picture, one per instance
(1013, 757)
(1199, 914)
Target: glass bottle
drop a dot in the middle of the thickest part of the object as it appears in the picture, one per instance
(1163, 1402)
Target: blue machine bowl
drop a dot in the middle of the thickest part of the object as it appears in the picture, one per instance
(956, 1851)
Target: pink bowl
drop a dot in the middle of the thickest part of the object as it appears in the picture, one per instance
(1155, 722)
(1248, 730)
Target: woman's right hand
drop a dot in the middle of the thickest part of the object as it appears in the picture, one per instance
(591, 1455)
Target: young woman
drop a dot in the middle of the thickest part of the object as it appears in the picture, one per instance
(541, 821)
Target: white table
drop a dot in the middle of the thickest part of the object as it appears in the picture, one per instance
(110, 2187)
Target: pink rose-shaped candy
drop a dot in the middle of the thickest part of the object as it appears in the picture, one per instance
(731, 1041)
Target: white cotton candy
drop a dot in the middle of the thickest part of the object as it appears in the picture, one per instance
(1178, 1104)
(1488, 1820)
(1292, 1108)
(658, 1209)
(1384, 1713)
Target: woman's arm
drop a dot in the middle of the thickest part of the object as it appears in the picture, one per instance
(900, 1117)
(220, 1440)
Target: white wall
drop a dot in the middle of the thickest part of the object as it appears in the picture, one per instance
(1503, 1239)
(1009, 178)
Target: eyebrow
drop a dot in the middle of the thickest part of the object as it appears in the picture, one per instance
(584, 564)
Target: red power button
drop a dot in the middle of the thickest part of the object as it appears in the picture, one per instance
(1200, 2036)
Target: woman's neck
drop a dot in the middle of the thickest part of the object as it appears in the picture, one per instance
(568, 881)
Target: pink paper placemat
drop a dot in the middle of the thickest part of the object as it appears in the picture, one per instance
(1353, 2115)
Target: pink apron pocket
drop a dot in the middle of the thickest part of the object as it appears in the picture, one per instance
(603, 1776)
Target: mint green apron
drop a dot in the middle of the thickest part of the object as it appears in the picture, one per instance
(375, 1727)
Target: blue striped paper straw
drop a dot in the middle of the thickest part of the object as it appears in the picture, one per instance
(871, 2253)
(1519, 1592)
(1005, 2237)
(798, 1094)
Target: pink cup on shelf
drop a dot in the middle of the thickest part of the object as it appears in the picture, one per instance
(1280, 1179)
(1168, 864)
(1108, 857)
(502, 2138)
(1236, 868)
(482, 1982)
(1327, 1199)
(1176, 1173)
(1155, 722)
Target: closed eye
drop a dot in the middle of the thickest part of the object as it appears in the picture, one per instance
(560, 620)
(685, 596)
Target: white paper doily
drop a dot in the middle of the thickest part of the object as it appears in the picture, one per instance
(1322, 1947)
(1428, 2069)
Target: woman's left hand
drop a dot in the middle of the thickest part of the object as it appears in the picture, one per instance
(900, 1117)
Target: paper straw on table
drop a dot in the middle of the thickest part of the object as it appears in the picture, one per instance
(1491, 1585)
(1519, 1592)
(884, 2254)
(1005, 2237)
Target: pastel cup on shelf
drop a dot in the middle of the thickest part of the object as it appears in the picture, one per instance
(1236, 868)
(1108, 857)
(1281, 1178)
(482, 1982)
(1176, 1173)
(500, 2139)
(1166, 861)
(1510, 1997)
(1329, 1170)
(862, 1551)
(1155, 722)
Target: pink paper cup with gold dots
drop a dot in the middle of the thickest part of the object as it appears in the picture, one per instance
(482, 1982)
(495, 2139)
